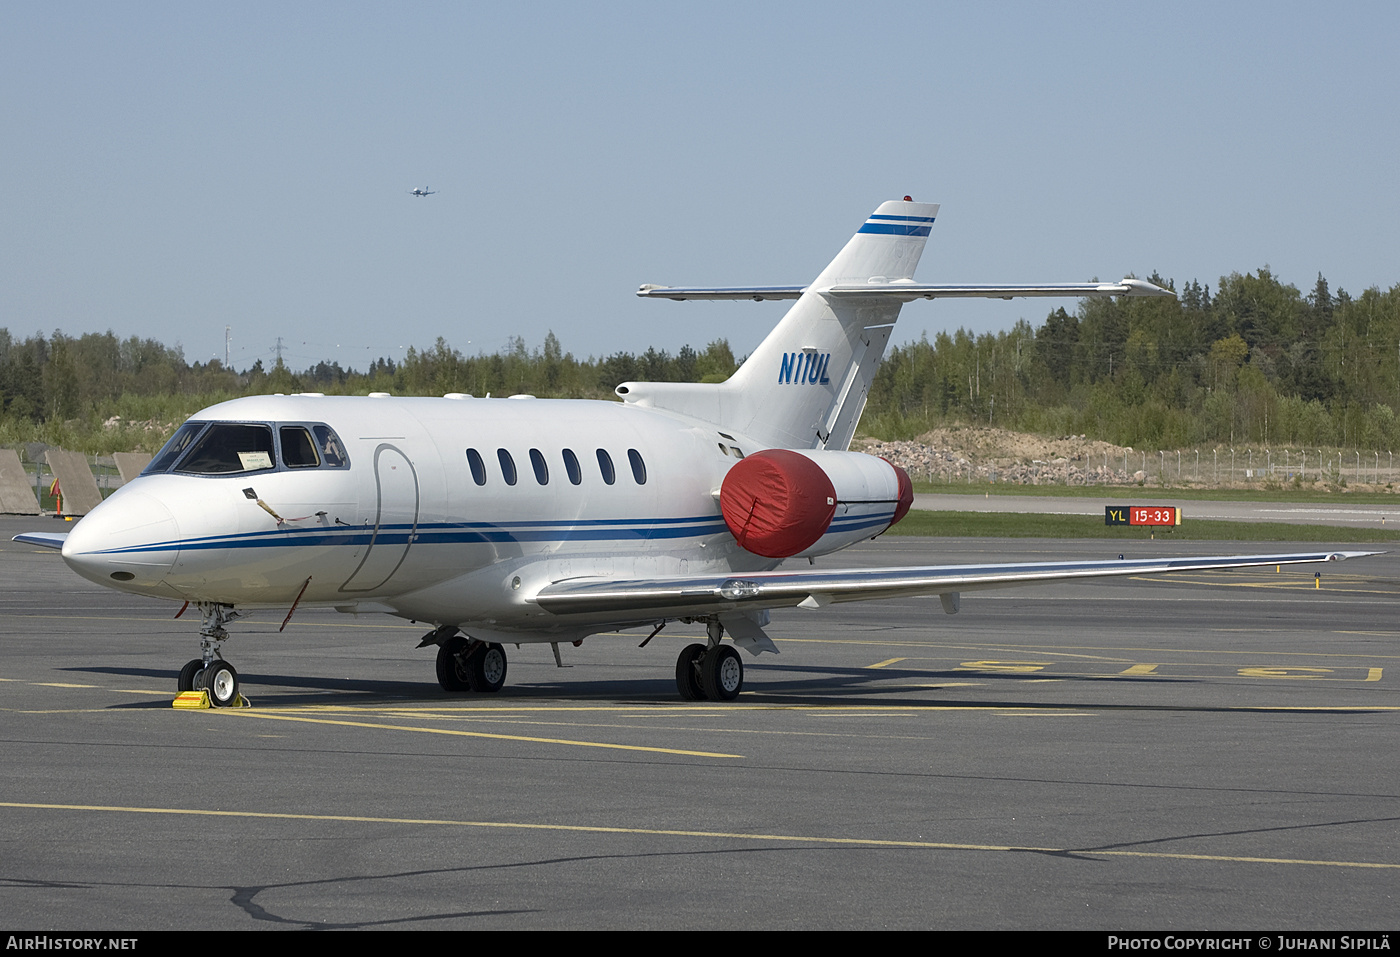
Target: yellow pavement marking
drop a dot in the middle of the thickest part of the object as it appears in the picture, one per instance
(1118, 653)
(480, 734)
(1289, 672)
(1334, 584)
(711, 835)
(1140, 670)
(59, 684)
(887, 662)
(1005, 667)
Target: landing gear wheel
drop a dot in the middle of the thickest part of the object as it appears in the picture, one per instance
(221, 681)
(452, 674)
(189, 676)
(721, 673)
(487, 668)
(688, 673)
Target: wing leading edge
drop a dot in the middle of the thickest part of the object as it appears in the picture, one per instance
(678, 597)
(45, 539)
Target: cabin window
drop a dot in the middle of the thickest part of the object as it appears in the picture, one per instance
(227, 448)
(606, 467)
(477, 466)
(571, 466)
(332, 452)
(507, 466)
(538, 464)
(175, 448)
(639, 468)
(298, 451)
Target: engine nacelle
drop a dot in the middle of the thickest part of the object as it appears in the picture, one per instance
(782, 503)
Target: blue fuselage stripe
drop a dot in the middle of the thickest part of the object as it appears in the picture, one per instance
(896, 229)
(471, 533)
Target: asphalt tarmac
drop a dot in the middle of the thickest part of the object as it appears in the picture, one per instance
(1188, 753)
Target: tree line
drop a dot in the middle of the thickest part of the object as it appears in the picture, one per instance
(1257, 361)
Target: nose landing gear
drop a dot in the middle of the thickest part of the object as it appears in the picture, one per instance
(210, 672)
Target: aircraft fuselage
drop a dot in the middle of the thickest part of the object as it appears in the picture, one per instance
(446, 510)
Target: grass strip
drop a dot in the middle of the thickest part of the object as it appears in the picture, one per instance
(1029, 525)
(1156, 493)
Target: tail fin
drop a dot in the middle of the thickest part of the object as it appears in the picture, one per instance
(805, 386)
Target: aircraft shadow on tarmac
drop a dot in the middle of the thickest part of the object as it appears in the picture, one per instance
(776, 684)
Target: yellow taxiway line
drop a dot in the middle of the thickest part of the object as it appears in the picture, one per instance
(481, 734)
(1087, 852)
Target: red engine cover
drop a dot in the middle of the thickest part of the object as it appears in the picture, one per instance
(906, 493)
(777, 503)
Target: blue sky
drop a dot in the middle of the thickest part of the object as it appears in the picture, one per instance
(175, 168)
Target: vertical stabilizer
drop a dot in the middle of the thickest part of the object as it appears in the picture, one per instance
(805, 385)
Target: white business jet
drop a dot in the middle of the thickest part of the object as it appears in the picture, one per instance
(525, 520)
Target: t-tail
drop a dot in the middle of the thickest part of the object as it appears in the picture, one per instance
(805, 385)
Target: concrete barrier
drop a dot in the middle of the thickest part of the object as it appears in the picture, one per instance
(130, 464)
(75, 481)
(16, 492)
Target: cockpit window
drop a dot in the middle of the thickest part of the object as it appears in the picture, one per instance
(226, 448)
(173, 449)
(332, 452)
(298, 451)
(232, 448)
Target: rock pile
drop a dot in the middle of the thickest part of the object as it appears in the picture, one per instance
(985, 454)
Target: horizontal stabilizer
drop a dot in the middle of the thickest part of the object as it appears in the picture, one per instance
(909, 291)
(780, 589)
(46, 539)
(756, 293)
(904, 291)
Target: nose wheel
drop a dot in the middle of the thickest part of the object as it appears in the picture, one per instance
(221, 681)
(191, 675)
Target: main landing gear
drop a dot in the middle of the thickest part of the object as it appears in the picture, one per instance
(470, 665)
(210, 672)
(711, 672)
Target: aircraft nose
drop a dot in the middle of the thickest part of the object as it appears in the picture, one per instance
(129, 541)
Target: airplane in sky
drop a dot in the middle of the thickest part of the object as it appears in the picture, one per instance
(521, 520)
(421, 191)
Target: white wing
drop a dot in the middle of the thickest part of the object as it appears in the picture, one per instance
(46, 539)
(678, 597)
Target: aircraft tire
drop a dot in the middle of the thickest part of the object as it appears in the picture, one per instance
(486, 668)
(688, 673)
(721, 673)
(189, 676)
(452, 674)
(221, 681)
